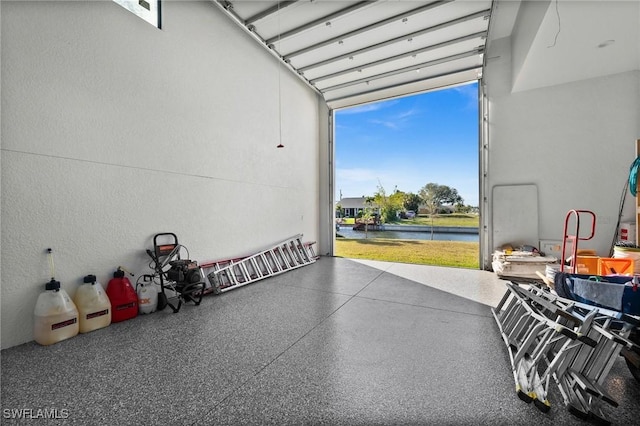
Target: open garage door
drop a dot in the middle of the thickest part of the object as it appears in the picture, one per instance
(356, 52)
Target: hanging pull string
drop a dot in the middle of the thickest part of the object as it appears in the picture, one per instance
(280, 145)
(555, 40)
(633, 176)
(52, 267)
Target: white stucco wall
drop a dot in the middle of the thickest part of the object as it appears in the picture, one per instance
(574, 141)
(113, 131)
(530, 16)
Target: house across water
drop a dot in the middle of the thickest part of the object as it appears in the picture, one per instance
(353, 206)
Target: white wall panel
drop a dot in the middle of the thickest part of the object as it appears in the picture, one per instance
(113, 131)
(574, 141)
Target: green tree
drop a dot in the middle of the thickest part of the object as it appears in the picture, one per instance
(434, 195)
(440, 194)
(411, 201)
(462, 208)
(367, 215)
(389, 204)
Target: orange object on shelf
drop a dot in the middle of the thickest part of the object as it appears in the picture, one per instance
(615, 266)
(587, 264)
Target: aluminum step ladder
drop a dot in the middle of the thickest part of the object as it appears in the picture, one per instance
(228, 274)
(549, 337)
(529, 326)
(583, 375)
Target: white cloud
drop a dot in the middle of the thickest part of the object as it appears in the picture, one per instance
(358, 182)
(470, 91)
(386, 123)
(368, 107)
(396, 121)
(408, 113)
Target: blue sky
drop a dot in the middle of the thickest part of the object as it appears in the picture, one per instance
(409, 142)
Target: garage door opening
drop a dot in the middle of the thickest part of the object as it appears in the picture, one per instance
(407, 179)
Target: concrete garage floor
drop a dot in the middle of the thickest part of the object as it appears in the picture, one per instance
(338, 342)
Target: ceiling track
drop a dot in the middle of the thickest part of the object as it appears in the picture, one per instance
(424, 31)
(227, 8)
(322, 20)
(370, 27)
(427, 64)
(275, 9)
(481, 34)
(469, 30)
(494, 5)
(418, 80)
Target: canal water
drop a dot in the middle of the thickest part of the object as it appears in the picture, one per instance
(347, 232)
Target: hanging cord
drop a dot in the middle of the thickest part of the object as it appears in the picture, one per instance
(631, 185)
(52, 267)
(633, 176)
(280, 145)
(615, 241)
(555, 39)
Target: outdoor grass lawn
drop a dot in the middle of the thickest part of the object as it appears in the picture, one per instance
(459, 254)
(455, 219)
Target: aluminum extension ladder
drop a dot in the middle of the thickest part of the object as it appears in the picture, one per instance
(225, 275)
(575, 344)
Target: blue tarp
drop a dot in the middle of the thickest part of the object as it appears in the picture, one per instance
(611, 292)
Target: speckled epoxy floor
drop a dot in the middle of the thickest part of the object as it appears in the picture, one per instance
(338, 342)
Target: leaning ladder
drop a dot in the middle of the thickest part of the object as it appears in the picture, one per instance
(225, 275)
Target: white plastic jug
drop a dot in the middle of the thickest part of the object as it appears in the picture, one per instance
(147, 297)
(55, 315)
(93, 305)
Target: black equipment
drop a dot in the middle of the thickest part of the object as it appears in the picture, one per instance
(180, 279)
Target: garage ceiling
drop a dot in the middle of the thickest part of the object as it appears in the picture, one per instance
(352, 52)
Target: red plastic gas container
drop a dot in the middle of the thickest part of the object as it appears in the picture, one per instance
(124, 300)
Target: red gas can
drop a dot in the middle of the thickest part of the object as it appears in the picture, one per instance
(124, 300)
